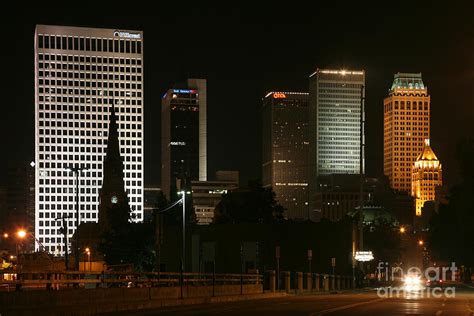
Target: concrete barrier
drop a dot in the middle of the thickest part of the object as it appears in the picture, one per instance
(272, 280)
(287, 278)
(113, 299)
(326, 282)
(317, 280)
(309, 281)
(299, 281)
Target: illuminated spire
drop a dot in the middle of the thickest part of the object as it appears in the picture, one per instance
(427, 154)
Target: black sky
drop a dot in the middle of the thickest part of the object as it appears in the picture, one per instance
(245, 52)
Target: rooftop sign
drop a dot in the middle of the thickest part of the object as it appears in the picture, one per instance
(279, 95)
(127, 34)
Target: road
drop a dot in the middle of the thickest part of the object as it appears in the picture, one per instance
(366, 303)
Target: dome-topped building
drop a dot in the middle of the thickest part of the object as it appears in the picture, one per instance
(426, 176)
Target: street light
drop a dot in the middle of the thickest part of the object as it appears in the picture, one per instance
(76, 170)
(21, 233)
(402, 229)
(420, 242)
(183, 201)
(5, 235)
(88, 253)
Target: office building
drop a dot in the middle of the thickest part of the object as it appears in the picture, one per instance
(79, 74)
(427, 176)
(153, 198)
(336, 110)
(406, 126)
(338, 195)
(183, 136)
(207, 194)
(285, 145)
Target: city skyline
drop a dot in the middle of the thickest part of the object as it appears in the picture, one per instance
(276, 72)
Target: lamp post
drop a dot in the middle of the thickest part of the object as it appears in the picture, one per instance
(88, 253)
(21, 234)
(76, 170)
(183, 255)
(65, 233)
(361, 171)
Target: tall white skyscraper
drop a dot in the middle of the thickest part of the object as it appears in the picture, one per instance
(79, 74)
(335, 123)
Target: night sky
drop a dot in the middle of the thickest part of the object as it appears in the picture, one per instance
(246, 52)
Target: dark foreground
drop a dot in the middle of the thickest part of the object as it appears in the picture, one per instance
(367, 303)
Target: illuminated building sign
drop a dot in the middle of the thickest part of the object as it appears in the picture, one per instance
(178, 143)
(184, 91)
(127, 34)
(364, 256)
(279, 95)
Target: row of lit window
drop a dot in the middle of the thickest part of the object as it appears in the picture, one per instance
(89, 84)
(89, 59)
(339, 85)
(64, 124)
(90, 44)
(78, 137)
(58, 93)
(51, 66)
(126, 158)
(86, 76)
(89, 108)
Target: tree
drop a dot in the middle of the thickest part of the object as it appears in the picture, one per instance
(452, 228)
(124, 242)
(252, 204)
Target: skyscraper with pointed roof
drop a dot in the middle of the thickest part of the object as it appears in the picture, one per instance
(426, 176)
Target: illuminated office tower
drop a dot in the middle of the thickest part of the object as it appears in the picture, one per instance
(183, 136)
(336, 102)
(285, 150)
(79, 74)
(406, 126)
(427, 175)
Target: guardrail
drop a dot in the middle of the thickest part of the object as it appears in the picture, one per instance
(41, 280)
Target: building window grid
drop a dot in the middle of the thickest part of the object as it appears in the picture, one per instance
(48, 82)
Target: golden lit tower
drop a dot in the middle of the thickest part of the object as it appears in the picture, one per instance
(406, 126)
(426, 176)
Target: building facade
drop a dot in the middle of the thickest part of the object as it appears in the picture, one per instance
(335, 122)
(207, 194)
(406, 126)
(427, 176)
(183, 136)
(79, 74)
(285, 150)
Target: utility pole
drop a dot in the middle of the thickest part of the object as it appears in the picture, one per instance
(65, 233)
(76, 170)
(361, 170)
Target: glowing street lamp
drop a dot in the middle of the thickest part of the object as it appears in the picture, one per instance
(5, 235)
(402, 229)
(21, 233)
(88, 253)
(420, 242)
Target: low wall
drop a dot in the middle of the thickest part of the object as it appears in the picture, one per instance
(89, 302)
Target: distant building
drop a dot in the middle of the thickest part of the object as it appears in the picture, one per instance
(338, 195)
(336, 103)
(152, 199)
(406, 126)
(20, 201)
(207, 194)
(183, 136)
(79, 74)
(427, 174)
(285, 150)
